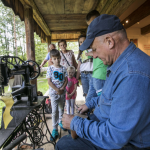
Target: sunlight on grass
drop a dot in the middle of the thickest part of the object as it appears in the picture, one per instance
(42, 85)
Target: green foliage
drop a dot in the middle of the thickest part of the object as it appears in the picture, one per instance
(7, 40)
(40, 49)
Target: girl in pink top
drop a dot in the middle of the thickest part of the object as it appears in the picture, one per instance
(71, 89)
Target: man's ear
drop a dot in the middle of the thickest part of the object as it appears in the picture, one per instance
(110, 42)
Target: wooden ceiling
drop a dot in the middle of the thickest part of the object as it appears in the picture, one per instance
(65, 19)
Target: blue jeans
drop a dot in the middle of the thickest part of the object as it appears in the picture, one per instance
(98, 84)
(67, 143)
(85, 79)
(91, 91)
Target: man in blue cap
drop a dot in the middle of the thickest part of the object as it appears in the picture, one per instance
(122, 112)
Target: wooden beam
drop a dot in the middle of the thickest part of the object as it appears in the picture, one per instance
(89, 5)
(17, 7)
(65, 17)
(7, 2)
(69, 6)
(29, 28)
(68, 40)
(68, 27)
(48, 42)
(101, 5)
(64, 39)
(121, 7)
(65, 21)
(95, 5)
(37, 16)
(116, 7)
(145, 30)
(106, 6)
(68, 24)
(68, 32)
(78, 7)
(21, 11)
(140, 13)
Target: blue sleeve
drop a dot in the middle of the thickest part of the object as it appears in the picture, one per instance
(127, 116)
(47, 56)
(93, 102)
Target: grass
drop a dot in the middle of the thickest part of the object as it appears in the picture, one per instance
(42, 85)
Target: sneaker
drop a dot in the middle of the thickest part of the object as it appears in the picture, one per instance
(54, 135)
(60, 124)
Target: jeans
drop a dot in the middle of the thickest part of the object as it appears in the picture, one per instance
(85, 79)
(67, 143)
(98, 84)
(91, 91)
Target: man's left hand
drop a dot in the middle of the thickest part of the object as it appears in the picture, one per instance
(66, 120)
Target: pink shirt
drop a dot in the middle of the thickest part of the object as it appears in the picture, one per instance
(70, 87)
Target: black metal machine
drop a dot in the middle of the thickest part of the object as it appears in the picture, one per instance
(28, 117)
(12, 65)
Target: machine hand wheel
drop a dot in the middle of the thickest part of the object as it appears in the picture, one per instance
(34, 69)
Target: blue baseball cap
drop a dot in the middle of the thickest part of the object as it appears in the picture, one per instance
(101, 25)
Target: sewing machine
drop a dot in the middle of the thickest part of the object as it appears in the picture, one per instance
(12, 65)
(28, 120)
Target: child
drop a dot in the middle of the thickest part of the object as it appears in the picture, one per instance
(57, 80)
(71, 89)
(67, 56)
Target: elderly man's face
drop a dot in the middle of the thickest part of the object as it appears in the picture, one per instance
(101, 50)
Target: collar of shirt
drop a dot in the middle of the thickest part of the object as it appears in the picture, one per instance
(115, 66)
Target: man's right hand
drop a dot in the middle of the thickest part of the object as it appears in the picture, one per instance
(83, 109)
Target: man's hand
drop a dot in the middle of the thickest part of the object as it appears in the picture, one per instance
(41, 66)
(83, 109)
(66, 120)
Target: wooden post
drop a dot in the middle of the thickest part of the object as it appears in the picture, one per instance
(48, 42)
(29, 27)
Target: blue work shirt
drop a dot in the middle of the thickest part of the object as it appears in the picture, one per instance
(124, 105)
(47, 56)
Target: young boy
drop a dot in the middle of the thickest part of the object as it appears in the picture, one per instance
(57, 79)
